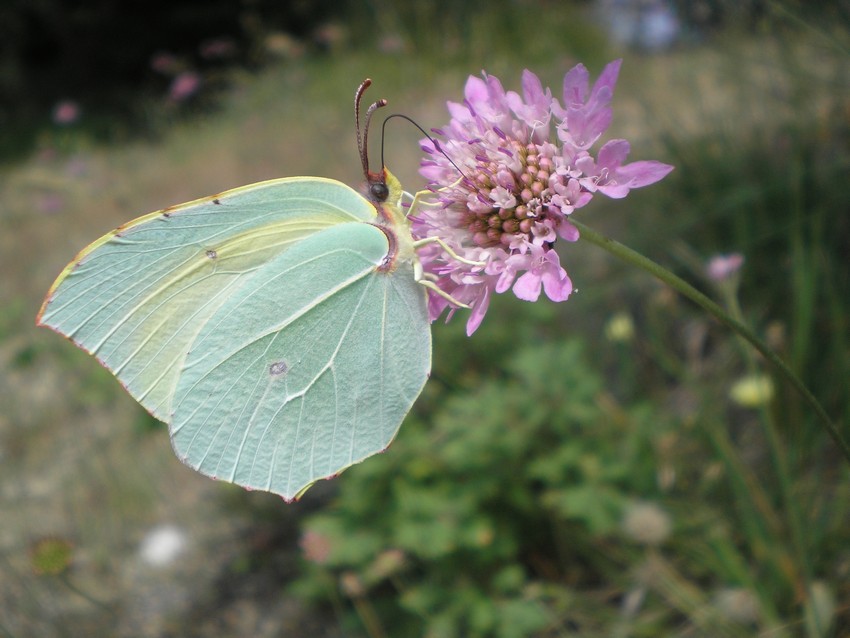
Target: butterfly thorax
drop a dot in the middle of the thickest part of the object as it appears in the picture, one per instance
(392, 219)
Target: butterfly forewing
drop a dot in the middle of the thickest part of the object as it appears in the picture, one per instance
(138, 297)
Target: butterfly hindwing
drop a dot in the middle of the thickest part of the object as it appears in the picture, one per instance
(331, 354)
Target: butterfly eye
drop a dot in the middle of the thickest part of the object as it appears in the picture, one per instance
(379, 191)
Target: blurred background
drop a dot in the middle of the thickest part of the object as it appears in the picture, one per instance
(616, 465)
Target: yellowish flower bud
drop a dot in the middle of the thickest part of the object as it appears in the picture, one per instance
(620, 328)
(752, 391)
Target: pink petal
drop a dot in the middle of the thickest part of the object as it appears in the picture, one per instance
(532, 89)
(557, 284)
(459, 112)
(475, 91)
(614, 191)
(612, 154)
(585, 122)
(575, 85)
(634, 175)
(567, 231)
(495, 91)
(644, 173)
(606, 80)
(479, 309)
(527, 287)
(505, 280)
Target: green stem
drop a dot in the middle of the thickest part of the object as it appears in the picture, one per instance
(680, 285)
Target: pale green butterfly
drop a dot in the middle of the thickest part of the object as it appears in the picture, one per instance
(280, 329)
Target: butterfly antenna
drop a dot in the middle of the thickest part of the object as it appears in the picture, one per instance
(425, 133)
(363, 134)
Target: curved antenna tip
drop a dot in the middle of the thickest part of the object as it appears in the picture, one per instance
(363, 133)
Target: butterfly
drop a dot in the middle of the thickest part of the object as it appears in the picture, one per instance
(279, 329)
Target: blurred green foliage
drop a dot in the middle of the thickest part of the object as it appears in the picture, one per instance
(516, 482)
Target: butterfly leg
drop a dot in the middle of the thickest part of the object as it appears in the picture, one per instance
(427, 280)
(430, 285)
(418, 197)
(448, 249)
(417, 202)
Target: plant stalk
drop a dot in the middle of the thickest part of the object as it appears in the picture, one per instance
(681, 286)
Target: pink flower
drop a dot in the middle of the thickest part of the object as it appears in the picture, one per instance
(184, 86)
(721, 267)
(165, 63)
(217, 49)
(316, 546)
(544, 269)
(525, 167)
(66, 112)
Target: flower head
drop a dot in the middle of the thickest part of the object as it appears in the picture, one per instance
(723, 267)
(646, 523)
(184, 86)
(66, 112)
(316, 547)
(507, 172)
(752, 391)
(163, 545)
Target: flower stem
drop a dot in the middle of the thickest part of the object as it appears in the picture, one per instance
(680, 285)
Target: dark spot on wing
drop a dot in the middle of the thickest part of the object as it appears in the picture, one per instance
(212, 254)
(216, 201)
(278, 368)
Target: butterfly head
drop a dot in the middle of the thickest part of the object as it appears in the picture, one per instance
(379, 191)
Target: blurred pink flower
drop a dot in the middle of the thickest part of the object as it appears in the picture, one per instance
(165, 63)
(331, 36)
(50, 203)
(316, 547)
(217, 49)
(66, 112)
(392, 43)
(184, 86)
(518, 187)
(721, 267)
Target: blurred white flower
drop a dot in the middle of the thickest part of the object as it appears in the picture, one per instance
(737, 604)
(162, 545)
(646, 523)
